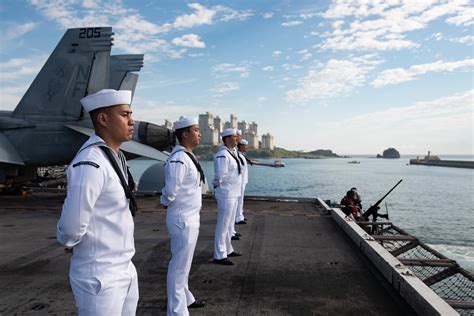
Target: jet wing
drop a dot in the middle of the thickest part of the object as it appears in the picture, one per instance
(131, 146)
(8, 153)
(143, 150)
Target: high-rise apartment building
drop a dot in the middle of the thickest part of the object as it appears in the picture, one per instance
(252, 138)
(209, 134)
(267, 141)
(218, 124)
(211, 128)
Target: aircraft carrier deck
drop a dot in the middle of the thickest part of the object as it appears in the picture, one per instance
(296, 261)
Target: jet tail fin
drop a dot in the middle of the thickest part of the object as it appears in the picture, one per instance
(121, 67)
(78, 66)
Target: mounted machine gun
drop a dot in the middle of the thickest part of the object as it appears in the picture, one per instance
(373, 209)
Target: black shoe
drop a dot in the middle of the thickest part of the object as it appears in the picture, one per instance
(235, 238)
(241, 223)
(197, 304)
(234, 254)
(225, 262)
(238, 234)
(245, 218)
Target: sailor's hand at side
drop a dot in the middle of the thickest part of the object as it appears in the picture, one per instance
(68, 249)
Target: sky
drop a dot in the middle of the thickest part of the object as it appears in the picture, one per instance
(355, 77)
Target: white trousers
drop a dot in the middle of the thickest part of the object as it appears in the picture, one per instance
(183, 238)
(106, 295)
(239, 215)
(226, 209)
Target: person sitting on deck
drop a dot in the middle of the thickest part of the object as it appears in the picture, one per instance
(357, 198)
(351, 205)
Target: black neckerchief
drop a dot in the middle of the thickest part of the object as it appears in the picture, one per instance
(240, 158)
(198, 166)
(236, 160)
(248, 160)
(127, 187)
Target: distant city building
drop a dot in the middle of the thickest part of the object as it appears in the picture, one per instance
(211, 127)
(267, 142)
(243, 126)
(254, 127)
(209, 134)
(218, 124)
(168, 124)
(233, 121)
(252, 138)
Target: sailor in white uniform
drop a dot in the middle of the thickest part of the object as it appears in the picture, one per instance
(227, 183)
(242, 149)
(96, 223)
(234, 234)
(182, 198)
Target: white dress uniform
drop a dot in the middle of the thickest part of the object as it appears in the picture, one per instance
(227, 183)
(97, 222)
(239, 215)
(183, 198)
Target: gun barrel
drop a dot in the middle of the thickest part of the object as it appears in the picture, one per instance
(374, 208)
(383, 197)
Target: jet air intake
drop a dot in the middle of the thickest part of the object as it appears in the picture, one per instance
(158, 137)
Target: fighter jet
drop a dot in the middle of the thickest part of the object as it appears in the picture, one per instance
(49, 125)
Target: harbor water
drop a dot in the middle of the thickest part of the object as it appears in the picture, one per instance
(436, 204)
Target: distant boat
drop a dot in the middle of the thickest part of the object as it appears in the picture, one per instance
(279, 163)
(353, 161)
(276, 163)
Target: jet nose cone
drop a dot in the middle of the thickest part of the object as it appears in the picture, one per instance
(158, 137)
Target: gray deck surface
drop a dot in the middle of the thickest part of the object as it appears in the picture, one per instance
(295, 262)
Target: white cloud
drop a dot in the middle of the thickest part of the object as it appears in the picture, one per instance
(10, 96)
(189, 40)
(268, 68)
(224, 88)
(437, 36)
(202, 15)
(335, 78)
(337, 24)
(468, 40)
(19, 68)
(195, 55)
(442, 125)
(290, 66)
(226, 69)
(90, 4)
(305, 53)
(399, 75)
(134, 33)
(156, 112)
(384, 25)
(291, 23)
(12, 79)
(268, 15)
(464, 15)
(276, 53)
(17, 30)
(227, 14)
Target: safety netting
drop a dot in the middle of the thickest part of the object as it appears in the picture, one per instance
(443, 275)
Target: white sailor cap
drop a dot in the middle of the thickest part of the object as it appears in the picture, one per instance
(243, 142)
(185, 122)
(228, 132)
(105, 98)
(239, 132)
